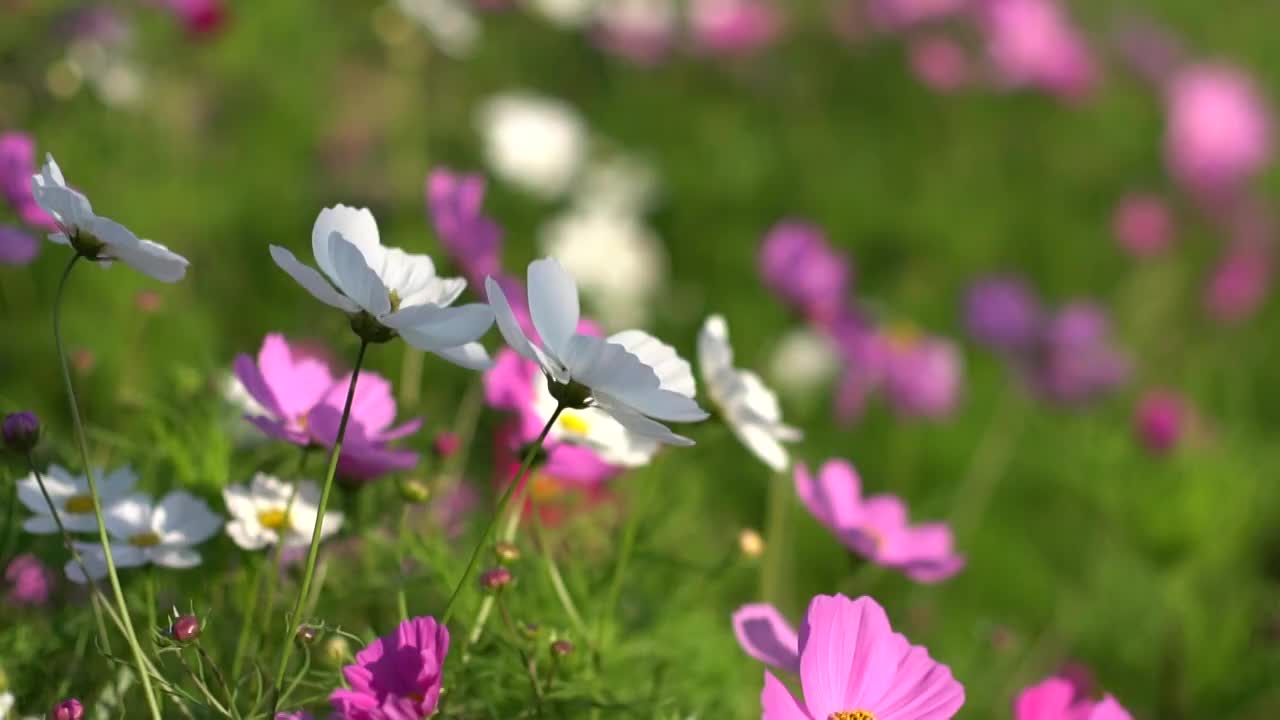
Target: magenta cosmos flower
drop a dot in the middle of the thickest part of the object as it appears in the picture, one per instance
(1159, 420)
(734, 27)
(1219, 128)
(396, 677)
(472, 239)
(876, 527)
(1143, 224)
(302, 403)
(17, 165)
(799, 264)
(922, 374)
(853, 666)
(30, 582)
(1034, 43)
(1059, 699)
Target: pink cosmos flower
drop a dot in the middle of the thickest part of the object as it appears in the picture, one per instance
(940, 63)
(1159, 420)
(303, 404)
(1219, 128)
(200, 17)
(853, 666)
(1034, 43)
(734, 27)
(30, 582)
(17, 247)
(1058, 699)
(1074, 360)
(17, 165)
(1239, 284)
(472, 239)
(1143, 224)
(922, 376)
(396, 677)
(876, 527)
(799, 264)
(639, 31)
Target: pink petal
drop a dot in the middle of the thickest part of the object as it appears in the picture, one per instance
(766, 636)
(1109, 709)
(923, 689)
(255, 384)
(1047, 701)
(848, 655)
(373, 407)
(777, 702)
(298, 381)
(833, 497)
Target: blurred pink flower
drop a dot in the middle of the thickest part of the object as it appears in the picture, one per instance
(1058, 699)
(1159, 420)
(940, 63)
(451, 509)
(853, 665)
(1074, 360)
(639, 31)
(472, 239)
(396, 676)
(148, 301)
(1034, 43)
(876, 527)
(892, 15)
(1240, 283)
(765, 635)
(798, 263)
(922, 375)
(17, 165)
(30, 582)
(1003, 313)
(17, 247)
(1219, 129)
(734, 27)
(200, 17)
(1143, 224)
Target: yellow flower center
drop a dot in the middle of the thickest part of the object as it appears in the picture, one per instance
(273, 519)
(146, 539)
(574, 423)
(852, 715)
(78, 504)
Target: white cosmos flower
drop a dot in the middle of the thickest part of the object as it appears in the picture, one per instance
(98, 238)
(386, 290)
(6, 704)
(566, 13)
(147, 533)
(596, 429)
(532, 141)
(631, 375)
(70, 495)
(748, 407)
(453, 27)
(261, 513)
(803, 361)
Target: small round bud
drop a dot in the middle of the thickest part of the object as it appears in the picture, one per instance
(336, 650)
(561, 648)
(751, 544)
(495, 579)
(307, 634)
(21, 431)
(185, 629)
(446, 444)
(70, 709)
(531, 630)
(506, 552)
(414, 491)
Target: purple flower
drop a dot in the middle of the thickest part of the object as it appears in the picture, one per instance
(1074, 361)
(473, 240)
(923, 376)
(21, 431)
(1219, 128)
(798, 264)
(1143, 224)
(30, 581)
(17, 247)
(1159, 420)
(70, 709)
(1240, 283)
(1002, 313)
(876, 527)
(734, 27)
(396, 677)
(1033, 43)
(17, 165)
(940, 63)
(766, 636)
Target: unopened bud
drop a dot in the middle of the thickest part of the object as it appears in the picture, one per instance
(336, 650)
(495, 579)
(21, 431)
(307, 634)
(506, 552)
(531, 630)
(414, 491)
(751, 544)
(561, 648)
(446, 444)
(185, 629)
(69, 709)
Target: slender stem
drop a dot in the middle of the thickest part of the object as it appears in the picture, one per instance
(250, 614)
(553, 571)
(497, 513)
(149, 595)
(6, 535)
(775, 539)
(292, 621)
(402, 602)
(130, 635)
(222, 681)
(620, 569)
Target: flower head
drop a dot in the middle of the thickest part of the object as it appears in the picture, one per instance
(471, 238)
(734, 27)
(97, 238)
(17, 165)
(70, 496)
(21, 431)
(876, 527)
(534, 142)
(1003, 313)
(1058, 699)
(631, 375)
(29, 582)
(1160, 420)
(1219, 128)
(200, 17)
(144, 532)
(798, 264)
(185, 628)
(749, 408)
(1074, 360)
(853, 666)
(1034, 43)
(386, 291)
(922, 375)
(267, 512)
(640, 31)
(1143, 224)
(396, 676)
(70, 709)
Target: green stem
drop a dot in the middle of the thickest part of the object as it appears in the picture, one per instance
(130, 635)
(6, 535)
(402, 602)
(775, 548)
(149, 596)
(250, 614)
(292, 621)
(502, 506)
(620, 569)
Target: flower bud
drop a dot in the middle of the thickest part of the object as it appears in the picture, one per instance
(414, 491)
(446, 444)
(336, 650)
(496, 579)
(750, 543)
(307, 634)
(506, 552)
(561, 648)
(185, 629)
(21, 431)
(69, 709)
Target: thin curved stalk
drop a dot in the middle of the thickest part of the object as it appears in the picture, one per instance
(130, 634)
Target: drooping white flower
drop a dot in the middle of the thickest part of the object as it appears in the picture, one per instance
(748, 407)
(261, 513)
(631, 375)
(70, 495)
(532, 141)
(100, 239)
(803, 361)
(144, 532)
(387, 291)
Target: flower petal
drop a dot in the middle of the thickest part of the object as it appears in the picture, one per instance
(777, 703)
(553, 304)
(639, 424)
(182, 519)
(358, 228)
(312, 281)
(128, 516)
(471, 356)
(922, 688)
(177, 557)
(429, 328)
(356, 278)
(508, 325)
(149, 258)
(674, 373)
(848, 655)
(766, 636)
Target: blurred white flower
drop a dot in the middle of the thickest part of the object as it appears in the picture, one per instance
(70, 495)
(6, 704)
(631, 375)
(566, 13)
(616, 258)
(803, 361)
(98, 238)
(748, 407)
(386, 290)
(453, 27)
(534, 142)
(620, 183)
(147, 533)
(261, 513)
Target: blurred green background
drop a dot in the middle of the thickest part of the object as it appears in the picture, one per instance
(1160, 574)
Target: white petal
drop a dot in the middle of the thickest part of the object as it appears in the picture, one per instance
(128, 516)
(673, 371)
(183, 519)
(40, 524)
(608, 367)
(436, 328)
(508, 325)
(115, 484)
(356, 279)
(664, 405)
(145, 256)
(553, 304)
(179, 558)
(715, 355)
(249, 535)
(639, 424)
(471, 356)
(239, 501)
(358, 228)
(763, 443)
(312, 281)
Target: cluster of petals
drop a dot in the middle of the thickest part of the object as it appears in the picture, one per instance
(146, 532)
(1057, 698)
(397, 676)
(876, 527)
(267, 512)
